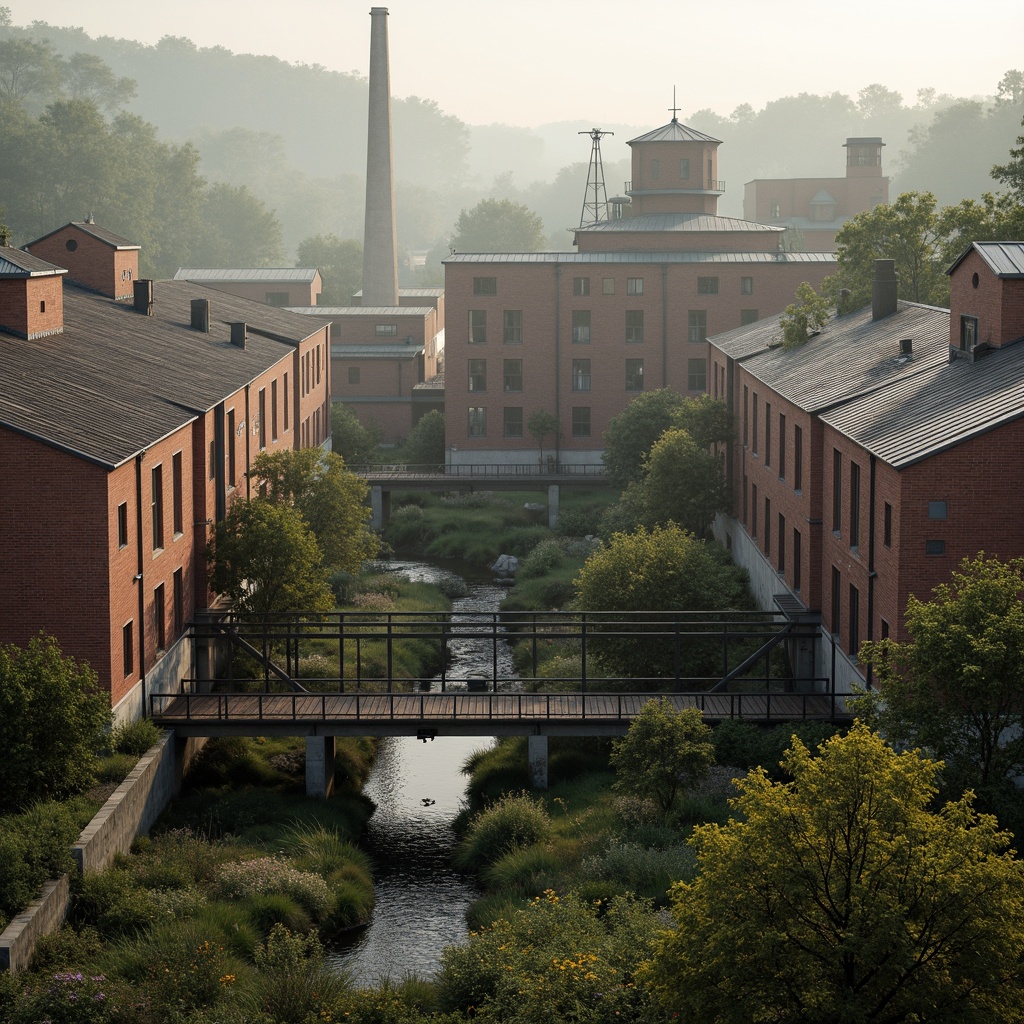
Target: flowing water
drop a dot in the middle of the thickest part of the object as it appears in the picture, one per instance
(418, 788)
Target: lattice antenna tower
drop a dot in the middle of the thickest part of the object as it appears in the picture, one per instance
(595, 200)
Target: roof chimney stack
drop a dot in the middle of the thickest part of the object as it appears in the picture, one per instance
(143, 297)
(201, 315)
(238, 332)
(884, 289)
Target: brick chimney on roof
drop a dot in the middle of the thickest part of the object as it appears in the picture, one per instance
(95, 258)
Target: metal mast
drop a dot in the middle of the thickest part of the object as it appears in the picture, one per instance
(595, 200)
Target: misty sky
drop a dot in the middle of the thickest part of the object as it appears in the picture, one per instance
(529, 62)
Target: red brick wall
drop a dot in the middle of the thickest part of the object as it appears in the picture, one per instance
(998, 303)
(32, 307)
(92, 264)
(300, 293)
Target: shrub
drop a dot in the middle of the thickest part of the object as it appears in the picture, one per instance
(525, 871)
(511, 822)
(579, 522)
(134, 737)
(637, 869)
(340, 583)
(115, 768)
(71, 997)
(243, 878)
(265, 910)
(545, 557)
(114, 903)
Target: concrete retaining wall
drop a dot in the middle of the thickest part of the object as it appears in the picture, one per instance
(130, 810)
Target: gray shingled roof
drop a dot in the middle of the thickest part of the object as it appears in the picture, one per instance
(243, 275)
(678, 222)
(674, 131)
(852, 355)
(18, 263)
(116, 381)
(107, 237)
(946, 404)
(581, 258)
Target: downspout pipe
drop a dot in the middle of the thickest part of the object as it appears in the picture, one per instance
(872, 574)
(140, 579)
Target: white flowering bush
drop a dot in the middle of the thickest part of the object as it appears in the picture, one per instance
(270, 875)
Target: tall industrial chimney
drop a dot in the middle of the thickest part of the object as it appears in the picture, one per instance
(380, 249)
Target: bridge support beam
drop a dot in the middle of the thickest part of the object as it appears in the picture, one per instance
(380, 507)
(537, 751)
(319, 766)
(552, 506)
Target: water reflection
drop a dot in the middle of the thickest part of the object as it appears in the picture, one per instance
(418, 789)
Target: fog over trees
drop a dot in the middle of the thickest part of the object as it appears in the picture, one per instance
(293, 137)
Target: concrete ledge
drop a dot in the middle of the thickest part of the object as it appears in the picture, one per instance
(44, 915)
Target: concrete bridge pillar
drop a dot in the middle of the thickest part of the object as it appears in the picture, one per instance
(319, 766)
(552, 506)
(537, 751)
(380, 507)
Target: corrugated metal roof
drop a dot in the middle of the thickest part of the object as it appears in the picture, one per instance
(579, 258)
(263, 275)
(391, 350)
(105, 236)
(116, 381)
(378, 312)
(1005, 258)
(851, 356)
(945, 405)
(18, 263)
(678, 222)
(674, 131)
(411, 292)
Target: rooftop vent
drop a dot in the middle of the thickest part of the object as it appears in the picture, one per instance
(201, 315)
(143, 297)
(238, 333)
(906, 346)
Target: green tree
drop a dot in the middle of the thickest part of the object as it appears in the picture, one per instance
(804, 317)
(357, 443)
(1011, 173)
(707, 420)
(239, 231)
(542, 425)
(340, 262)
(664, 752)
(499, 225)
(28, 70)
(956, 685)
(88, 77)
(425, 444)
(331, 500)
(52, 718)
(843, 896)
(666, 569)
(685, 483)
(266, 559)
(632, 433)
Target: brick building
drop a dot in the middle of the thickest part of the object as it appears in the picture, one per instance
(814, 209)
(126, 429)
(579, 334)
(871, 460)
(281, 286)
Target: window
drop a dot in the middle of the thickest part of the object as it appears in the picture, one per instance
(854, 505)
(776, 210)
(581, 421)
(748, 316)
(512, 421)
(937, 510)
(159, 618)
(211, 462)
(477, 374)
(176, 494)
(887, 527)
(273, 410)
(768, 526)
(262, 406)
(968, 332)
(287, 407)
(178, 596)
(711, 177)
(581, 326)
(707, 285)
(684, 169)
(122, 525)
(127, 648)
(634, 375)
(513, 375)
(753, 510)
(634, 325)
(655, 169)
(837, 491)
(782, 446)
(353, 375)
(754, 426)
(782, 543)
(885, 630)
(697, 374)
(157, 506)
(934, 547)
(796, 560)
(512, 326)
(767, 433)
(477, 326)
(634, 286)
(837, 582)
(745, 508)
(276, 298)
(746, 286)
(319, 350)
(477, 421)
(745, 395)
(798, 458)
(608, 285)
(854, 620)
(485, 286)
(581, 286)
(581, 375)
(698, 326)
(230, 439)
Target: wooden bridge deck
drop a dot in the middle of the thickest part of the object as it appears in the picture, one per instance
(448, 713)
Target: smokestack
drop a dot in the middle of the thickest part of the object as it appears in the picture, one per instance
(884, 288)
(380, 248)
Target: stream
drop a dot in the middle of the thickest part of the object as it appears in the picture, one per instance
(418, 787)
